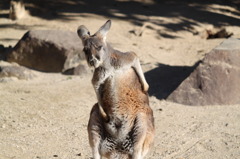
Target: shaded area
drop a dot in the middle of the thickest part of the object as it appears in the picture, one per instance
(18, 26)
(189, 12)
(165, 35)
(4, 51)
(4, 15)
(9, 39)
(164, 79)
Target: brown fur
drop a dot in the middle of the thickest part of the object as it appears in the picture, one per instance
(121, 124)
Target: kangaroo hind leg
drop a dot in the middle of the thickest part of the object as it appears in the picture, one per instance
(95, 130)
(142, 136)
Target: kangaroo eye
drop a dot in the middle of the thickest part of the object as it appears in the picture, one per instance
(98, 57)
(99, 48)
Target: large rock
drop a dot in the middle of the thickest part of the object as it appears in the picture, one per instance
(48, 50)
(216, 80)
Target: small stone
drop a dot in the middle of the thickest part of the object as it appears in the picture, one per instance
(160, 109)
(79, 154)
(11, 70)
(3, 126)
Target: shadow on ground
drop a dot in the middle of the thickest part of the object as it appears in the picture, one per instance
(164, 79)
(4, 51)
(189, 12)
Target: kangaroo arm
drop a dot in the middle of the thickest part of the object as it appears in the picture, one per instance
(99, 78)
(137, 67)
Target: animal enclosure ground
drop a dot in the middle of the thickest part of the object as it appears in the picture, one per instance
(46, 117)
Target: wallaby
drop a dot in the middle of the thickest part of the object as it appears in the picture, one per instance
(121, 123)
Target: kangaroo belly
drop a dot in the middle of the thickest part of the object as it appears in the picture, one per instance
(122, 94)
(122, 99)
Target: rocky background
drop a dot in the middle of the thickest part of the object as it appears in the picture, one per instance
(189, 51)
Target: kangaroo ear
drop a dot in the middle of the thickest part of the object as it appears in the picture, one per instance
(102, 32)
(83, 32)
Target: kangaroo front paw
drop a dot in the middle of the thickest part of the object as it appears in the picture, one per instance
(145, 87)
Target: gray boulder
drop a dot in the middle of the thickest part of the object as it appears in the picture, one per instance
(48, 50)
(9, 71)
(215, 81)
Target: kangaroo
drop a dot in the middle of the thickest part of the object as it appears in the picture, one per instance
(121, 123)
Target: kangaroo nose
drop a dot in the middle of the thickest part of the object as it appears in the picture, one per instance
(91, 62)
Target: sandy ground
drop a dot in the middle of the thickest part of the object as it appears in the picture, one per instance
(46, 117)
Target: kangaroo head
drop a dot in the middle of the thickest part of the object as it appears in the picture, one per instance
(95, 45)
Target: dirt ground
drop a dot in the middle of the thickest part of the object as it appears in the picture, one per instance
(46, 117)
